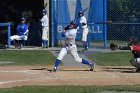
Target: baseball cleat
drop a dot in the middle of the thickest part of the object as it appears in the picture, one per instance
(85, 50)
(54, 69)
(92, 65)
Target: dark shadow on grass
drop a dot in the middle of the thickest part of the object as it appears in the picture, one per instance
(129, 71)
(59, 70)
(121, 70)
(73, 70)
(38, 69)
(56, 50)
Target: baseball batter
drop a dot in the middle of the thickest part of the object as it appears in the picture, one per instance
(22, 32)
(83, 24)
(45, 29)
(70, 47)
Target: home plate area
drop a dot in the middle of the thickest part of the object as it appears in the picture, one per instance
(11, 76)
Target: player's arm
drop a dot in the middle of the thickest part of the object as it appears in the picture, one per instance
(113, 46)
(26, 32)
(25, 29)
(124, 48)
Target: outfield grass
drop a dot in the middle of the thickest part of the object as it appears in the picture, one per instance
(69, 89)
(111, 58)
(27, 57)
(44, 57)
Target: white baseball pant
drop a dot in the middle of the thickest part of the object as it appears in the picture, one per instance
(84, 34)
(45, 33)
(73, 50)
(17, 37)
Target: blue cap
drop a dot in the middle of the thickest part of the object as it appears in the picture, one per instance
(23, 19)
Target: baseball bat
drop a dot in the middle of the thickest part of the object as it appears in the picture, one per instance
(85, 10)
(45, 5)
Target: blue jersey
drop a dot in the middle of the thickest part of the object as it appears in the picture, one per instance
(21, 29)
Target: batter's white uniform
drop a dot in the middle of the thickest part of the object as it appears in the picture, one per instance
(45, 27)
(70, 46)
(84, 28)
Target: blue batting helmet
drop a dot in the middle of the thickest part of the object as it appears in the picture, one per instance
(72, 22)
(80, 12)
(44, 11)
(23, 19)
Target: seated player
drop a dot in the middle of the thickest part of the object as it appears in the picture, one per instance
(134, 46)
(22, 33)
(70, 47)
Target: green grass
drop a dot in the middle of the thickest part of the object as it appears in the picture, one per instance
(69, 89)
(111, 58)
(27, 57)
(44, 57)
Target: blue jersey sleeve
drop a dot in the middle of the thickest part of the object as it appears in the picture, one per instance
(63, 34)
(21, 29)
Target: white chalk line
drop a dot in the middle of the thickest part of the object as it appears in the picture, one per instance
(21, 71)
(13, 81)
(48, 76)
(55, 77)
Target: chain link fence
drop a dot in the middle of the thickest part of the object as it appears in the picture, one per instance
(125, 15)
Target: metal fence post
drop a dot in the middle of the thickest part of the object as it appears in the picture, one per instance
(9, 34)
(52, 20)
(104, 25)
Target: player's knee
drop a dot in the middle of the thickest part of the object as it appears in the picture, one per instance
(25, 38)
(79, 60)
(84, 39)
(11, 38)
(59, 58)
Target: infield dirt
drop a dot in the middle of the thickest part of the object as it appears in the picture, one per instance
(11, 76)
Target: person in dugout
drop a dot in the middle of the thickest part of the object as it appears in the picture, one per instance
(134, 47)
